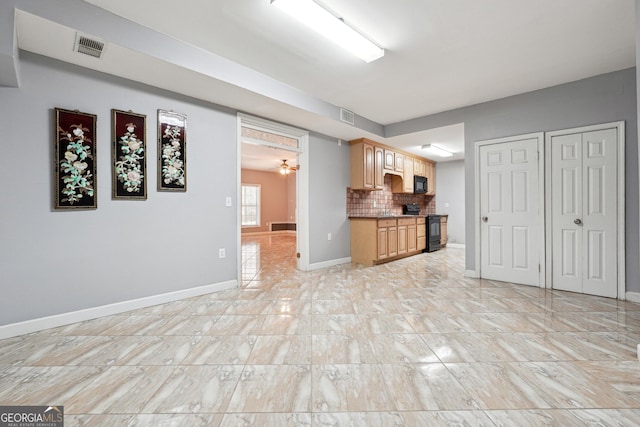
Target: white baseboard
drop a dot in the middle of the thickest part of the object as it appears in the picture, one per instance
(633, 296)
(268, 233)
(471, 273)
(330, 263)
(455, 245)
(42, 323)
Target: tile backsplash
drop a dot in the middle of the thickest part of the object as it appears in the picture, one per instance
(374, 203)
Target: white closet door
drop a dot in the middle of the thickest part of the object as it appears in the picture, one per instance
(585, 212)
(566, 154)
(510, 225)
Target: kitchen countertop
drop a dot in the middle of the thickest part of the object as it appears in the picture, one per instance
(385, 216)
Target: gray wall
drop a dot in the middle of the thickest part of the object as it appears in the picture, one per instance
(450, 190)
(59, 261)
(601, 99)
(53, 262)
(328, 181)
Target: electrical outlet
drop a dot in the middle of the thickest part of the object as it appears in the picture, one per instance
(446, 205)
(228, 201)
(329, 236)
(222, 253)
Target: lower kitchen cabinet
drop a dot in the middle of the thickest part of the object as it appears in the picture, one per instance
(421, 233)
(387, 238)
(375, 240)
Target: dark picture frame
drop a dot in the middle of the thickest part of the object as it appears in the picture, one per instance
(172, 151)
(75, 176)
(129, 155)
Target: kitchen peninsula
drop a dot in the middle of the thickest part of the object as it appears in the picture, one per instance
(380, 239)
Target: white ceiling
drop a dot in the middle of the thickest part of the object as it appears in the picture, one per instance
(440, 55)
(266, 158)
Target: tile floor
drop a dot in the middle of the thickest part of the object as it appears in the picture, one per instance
(408, 343)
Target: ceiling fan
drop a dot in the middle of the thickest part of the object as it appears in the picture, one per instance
(285, 169)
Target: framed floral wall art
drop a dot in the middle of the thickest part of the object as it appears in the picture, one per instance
(129, 155)
(75, 160)
(172, 147)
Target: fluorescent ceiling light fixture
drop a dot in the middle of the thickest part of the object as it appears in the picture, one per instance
(324, 22)
(433, 149)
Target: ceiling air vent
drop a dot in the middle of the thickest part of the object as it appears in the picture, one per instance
(89, 46)
(347, 116)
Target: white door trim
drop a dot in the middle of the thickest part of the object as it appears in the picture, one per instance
(620, 128)
(541, 200)
(302, 182)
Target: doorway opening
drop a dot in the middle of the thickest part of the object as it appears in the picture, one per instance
(272, 197)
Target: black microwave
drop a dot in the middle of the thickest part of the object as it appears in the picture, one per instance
(419, 184)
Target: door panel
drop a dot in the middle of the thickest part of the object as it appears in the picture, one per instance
(402, 239)
(570, 266)
(595, 254)
(521, 248)
(383, 250)
(378, 169)
(392, 241)
(369, 166)
(566, 154)
(584, 212)
(569, 196)
(510, 229)
(496, 259)
(595, 189)
(412, 239)
(600, 222)
(495, 192)
(520, 189)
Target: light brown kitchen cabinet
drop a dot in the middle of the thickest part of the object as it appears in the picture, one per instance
(376, 240)
(402, 239)
(383, 247)
(406, 235)
(404, 183)
(419, 167)
(370, 161)
(378, 169)
(366, 166)
(392, 241)
(387, 238)
(389, 160)
(407, 176)
(393, 161)
(398, 165)
(421, 233)
(430, 173)
(412, 238)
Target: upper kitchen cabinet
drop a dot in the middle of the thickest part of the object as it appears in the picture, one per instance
(404, 184)
(430, 173)
(367, 171)
(419, 167)
(393, 162)
(370, 161)
(407, 176)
